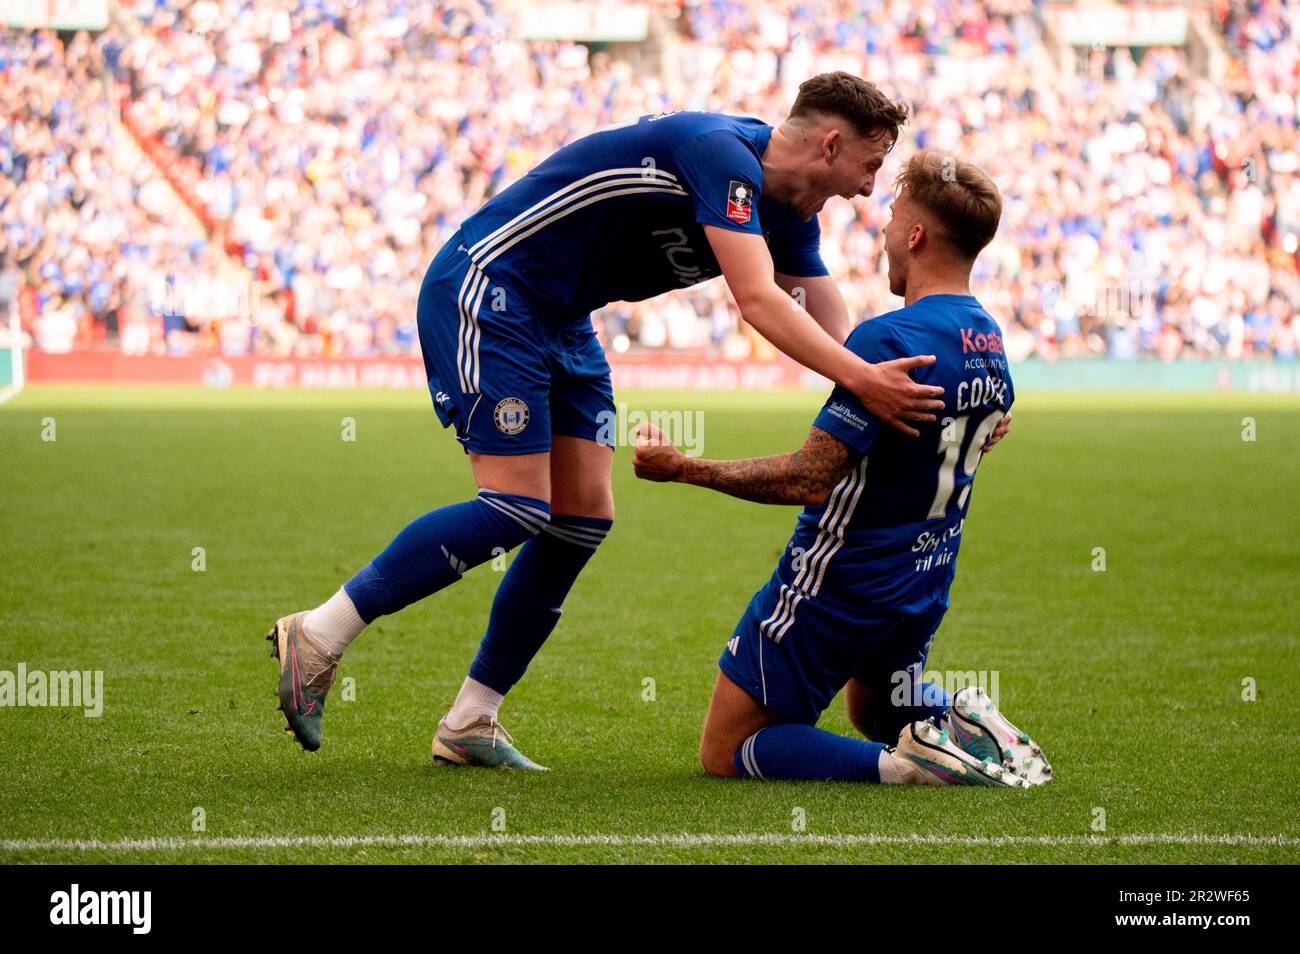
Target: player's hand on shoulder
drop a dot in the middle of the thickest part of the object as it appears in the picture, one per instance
(999, 432)
(891, 394)
(655, 456)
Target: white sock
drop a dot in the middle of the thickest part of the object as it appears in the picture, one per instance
(334, 624)
(894, 771)
(474, 701)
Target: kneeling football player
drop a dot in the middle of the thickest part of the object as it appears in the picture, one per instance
(861, 588)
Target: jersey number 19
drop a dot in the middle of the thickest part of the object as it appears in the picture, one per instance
(951, 440)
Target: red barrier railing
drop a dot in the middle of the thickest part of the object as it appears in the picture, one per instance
(182, 173)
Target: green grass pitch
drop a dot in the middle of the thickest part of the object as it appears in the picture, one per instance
(1132, 678)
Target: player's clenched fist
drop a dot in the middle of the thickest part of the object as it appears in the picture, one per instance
(655, 456)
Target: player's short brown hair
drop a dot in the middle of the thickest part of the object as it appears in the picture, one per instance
(961, 197)
(852, 99)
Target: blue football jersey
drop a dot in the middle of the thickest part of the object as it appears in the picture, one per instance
(886, 538)
(620, 213)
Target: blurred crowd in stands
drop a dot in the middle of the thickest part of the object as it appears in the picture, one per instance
(326, 148)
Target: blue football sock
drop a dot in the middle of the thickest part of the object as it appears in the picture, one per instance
(935, 701)
(434, 550)
(527, 605)
(900, 706)
(792, 750)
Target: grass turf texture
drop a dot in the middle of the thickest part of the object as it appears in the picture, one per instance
(1131, 678)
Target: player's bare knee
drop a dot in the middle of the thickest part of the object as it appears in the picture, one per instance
(525, 475)
(717, 763)
(580, 478)
(717, 757)
(596, 503)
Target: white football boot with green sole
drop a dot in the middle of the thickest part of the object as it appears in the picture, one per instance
(941, 761)
(978, 727)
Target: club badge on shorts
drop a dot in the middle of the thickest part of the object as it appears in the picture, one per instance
(739, 199)
(510, 416)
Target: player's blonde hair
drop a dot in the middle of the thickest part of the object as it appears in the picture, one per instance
(965, 203)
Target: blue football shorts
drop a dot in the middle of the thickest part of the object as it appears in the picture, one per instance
(820, 650)
(504, 372)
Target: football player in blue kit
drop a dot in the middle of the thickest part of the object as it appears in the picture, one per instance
(861, 588)
(625, 213)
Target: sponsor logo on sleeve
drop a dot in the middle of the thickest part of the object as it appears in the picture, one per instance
(846, 414)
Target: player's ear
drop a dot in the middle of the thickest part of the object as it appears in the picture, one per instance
(917, 237)
(832, 143)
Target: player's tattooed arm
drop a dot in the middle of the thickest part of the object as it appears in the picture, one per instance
(805, 476)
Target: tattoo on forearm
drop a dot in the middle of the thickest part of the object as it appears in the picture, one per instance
(805, 476)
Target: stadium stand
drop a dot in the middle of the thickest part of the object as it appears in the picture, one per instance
(322, 151)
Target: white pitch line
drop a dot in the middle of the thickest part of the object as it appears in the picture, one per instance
(755, 840)
(7, 392)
